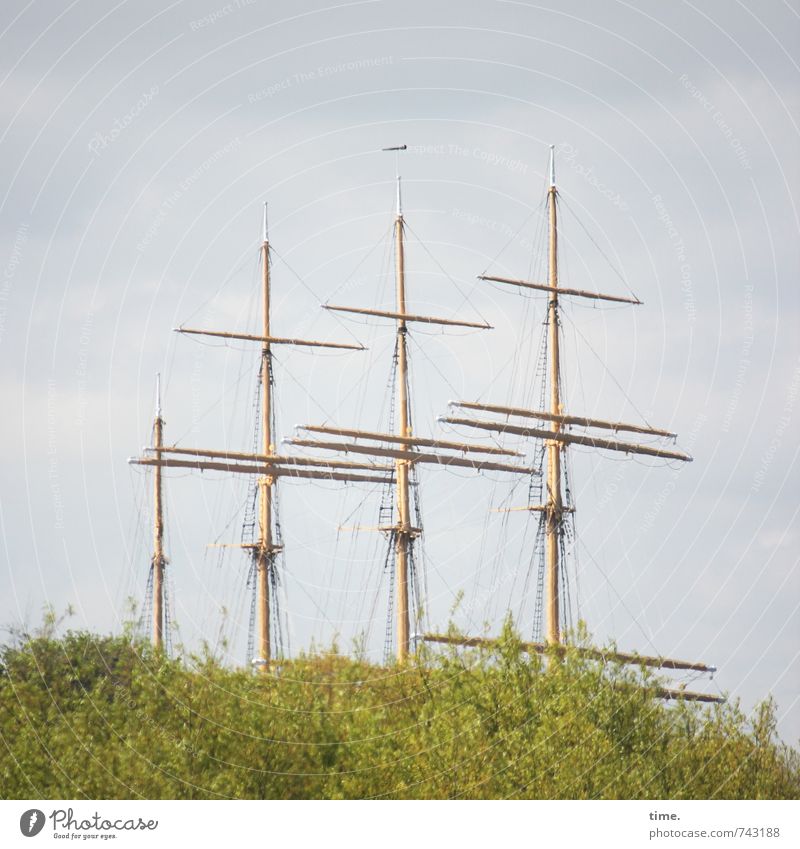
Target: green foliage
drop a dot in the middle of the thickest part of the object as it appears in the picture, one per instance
(106, 717)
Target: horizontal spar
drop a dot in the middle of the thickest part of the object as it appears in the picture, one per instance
(412, 456)
(686, 695)
(408, 529)
(583, 421)
(409, 440)
(571, 438)
(263, 469)
(424, 319)
(595, 654)
(542, 287)
(271, 458)
(272, 340)
(529, 508)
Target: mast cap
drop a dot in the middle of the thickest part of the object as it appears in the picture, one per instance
(397, 148)
(158, 394)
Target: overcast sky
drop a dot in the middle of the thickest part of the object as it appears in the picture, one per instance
(138, 143)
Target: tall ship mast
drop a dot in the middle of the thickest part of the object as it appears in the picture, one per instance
(159, 561)
(556, 439)
(391, 458)
(268, 465)
(407, 450)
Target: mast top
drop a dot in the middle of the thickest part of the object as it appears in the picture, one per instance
(397, 149)
(158, 394)
(552, 166)
(265, 228)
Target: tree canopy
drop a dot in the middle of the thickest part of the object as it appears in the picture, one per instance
(106, 717)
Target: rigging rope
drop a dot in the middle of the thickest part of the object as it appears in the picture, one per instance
(390, 564)
(312, 292)
(168, 614)
(608, 371)
(465, 295)
(252, 585)
(562, 201)
(143, 625)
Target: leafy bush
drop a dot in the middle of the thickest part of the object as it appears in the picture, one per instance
(105, 717)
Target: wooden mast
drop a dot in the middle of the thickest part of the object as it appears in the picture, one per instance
(553, 515)
(405, 455)
(268, 465)
(559, 435)
(158, 528)
(403, 534)
(264, 552)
